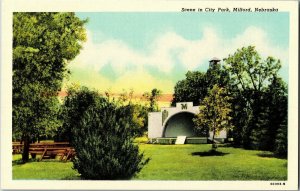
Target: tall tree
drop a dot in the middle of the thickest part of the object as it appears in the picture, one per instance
(152, 97)
(193, 88)
(214, 112)
(277, 101)
(250, 78)
(216, 75)
(197, 84)
(43, 44)
(249, 72)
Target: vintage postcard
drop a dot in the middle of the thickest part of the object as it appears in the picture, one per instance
(149, 95)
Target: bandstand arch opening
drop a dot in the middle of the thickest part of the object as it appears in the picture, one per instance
(180, 124)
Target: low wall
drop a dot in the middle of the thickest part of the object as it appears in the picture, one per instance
(171, 140)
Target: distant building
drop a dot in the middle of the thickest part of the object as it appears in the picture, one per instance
(214, 61)
(175, 121)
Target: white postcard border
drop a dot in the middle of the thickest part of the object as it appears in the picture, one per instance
(9, 6)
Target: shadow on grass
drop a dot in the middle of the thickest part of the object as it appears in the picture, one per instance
(209, 153)
(270, 155)
(229, 145)
(72, 178)
(17, 162)
(20, 161)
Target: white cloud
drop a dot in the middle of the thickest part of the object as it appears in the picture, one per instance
(259, 38)
(191, 53)
(162, 51)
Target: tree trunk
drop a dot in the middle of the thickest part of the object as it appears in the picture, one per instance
(213, 146)
(25, 154)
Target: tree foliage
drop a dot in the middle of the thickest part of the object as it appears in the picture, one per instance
(281, 141)
(277, 104)
(78, 100)
(140, 118)
(102, 135)
(152, 98)
(139, 111)
(248, 70)
(216, 75)
(214, 111)
(194, 88)
(260, 98)
(43, 43)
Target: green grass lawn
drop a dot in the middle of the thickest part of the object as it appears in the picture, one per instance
(47, 169)
(177, 162)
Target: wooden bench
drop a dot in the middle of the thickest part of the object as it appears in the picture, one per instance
(47, 150)
(50, 144)
(17, 147)
(65, 153)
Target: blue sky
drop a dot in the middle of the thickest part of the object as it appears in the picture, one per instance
(138, 29)
(154, 50)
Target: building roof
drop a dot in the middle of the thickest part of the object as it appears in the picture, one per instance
(215, 59)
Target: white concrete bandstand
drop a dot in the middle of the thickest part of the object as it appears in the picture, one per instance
(172, 122)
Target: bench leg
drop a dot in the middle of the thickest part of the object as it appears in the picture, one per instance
(43, 154)
(62, 156)
(33, 155)
(69, 153)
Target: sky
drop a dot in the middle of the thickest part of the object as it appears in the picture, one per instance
(142, 51)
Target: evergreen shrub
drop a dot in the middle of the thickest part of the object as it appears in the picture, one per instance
(281, 142)
(103, 141)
